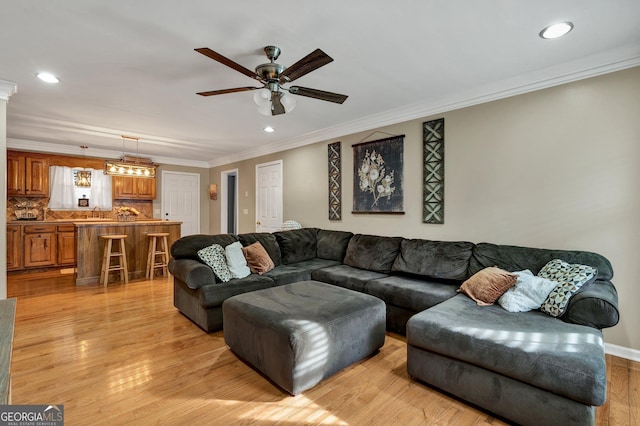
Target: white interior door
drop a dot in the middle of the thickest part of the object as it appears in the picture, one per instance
(269, 197)
(181, 200)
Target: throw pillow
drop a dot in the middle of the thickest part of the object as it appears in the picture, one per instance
(487, 285)
(235, 260)
(257, 258)
(214, 257)
(527, 294)
(570, 278)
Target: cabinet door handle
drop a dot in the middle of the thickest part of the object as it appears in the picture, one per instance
(45, 244)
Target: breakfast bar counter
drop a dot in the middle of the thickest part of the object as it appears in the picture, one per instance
(89, 245)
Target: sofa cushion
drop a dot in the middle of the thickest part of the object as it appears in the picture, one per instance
(570, 277)
(531, 347)
(258, 259)
(332, 245)
(346, 276)
(187, 247)
(446, 260)
(514, 258)
(214, 257)
(287, 274)
(486, 286)
(297, 245)
(372, 252)
(267, 240)
(411, 293)
(313, 264)
(212, 295)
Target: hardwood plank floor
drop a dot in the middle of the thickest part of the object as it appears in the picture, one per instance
(124, 355)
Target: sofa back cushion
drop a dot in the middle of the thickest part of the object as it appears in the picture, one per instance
(187, 247)
(445, 260)
(514, 258)
(332, 245)
(372, 252)
(297, 245)
(267, 240)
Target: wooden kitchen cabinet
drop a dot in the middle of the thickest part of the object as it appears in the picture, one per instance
(14, 247)
(39, 245)
(66, 245)
(27, 176)
(131, 188)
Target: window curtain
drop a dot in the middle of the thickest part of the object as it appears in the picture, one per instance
(62, 189)
(100, 190)
(64, 194)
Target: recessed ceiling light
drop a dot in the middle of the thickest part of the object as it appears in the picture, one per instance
(47, 77)
(556, 30)
(269, 129)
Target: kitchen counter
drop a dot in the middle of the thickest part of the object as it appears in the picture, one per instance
(90, 246)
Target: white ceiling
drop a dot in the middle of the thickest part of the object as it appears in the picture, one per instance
(128, 67)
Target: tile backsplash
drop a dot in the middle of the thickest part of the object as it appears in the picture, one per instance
(145, 208)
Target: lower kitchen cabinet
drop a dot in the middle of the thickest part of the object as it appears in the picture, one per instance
(39, 245)
(14, 247)
(66, 245)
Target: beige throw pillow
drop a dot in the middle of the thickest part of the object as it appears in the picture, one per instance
(257, 258)
(486, 286)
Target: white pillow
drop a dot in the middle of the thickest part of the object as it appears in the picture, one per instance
(529, 293)
(235, 260)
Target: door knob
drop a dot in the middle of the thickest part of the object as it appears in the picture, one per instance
(258, 223)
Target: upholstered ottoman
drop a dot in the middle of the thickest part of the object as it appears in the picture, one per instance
(299, 334)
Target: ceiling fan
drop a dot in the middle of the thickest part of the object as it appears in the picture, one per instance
(271, 99)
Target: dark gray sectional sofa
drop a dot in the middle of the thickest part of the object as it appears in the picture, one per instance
(527, 367)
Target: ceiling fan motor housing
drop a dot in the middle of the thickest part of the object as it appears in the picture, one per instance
(270, 71)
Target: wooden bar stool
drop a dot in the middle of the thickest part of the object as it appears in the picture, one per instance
(121, 256)
(154, 252)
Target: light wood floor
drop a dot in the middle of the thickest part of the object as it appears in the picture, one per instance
(124, 355)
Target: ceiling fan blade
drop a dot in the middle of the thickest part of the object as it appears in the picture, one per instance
(226, 61)
(276, 105)
(224, 91)
(311, 62)
(318, 94)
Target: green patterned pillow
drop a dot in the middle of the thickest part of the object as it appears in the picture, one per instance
(214, 257)
(570, 278)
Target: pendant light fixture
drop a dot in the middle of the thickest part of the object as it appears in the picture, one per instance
(83, 177)
(131, 166)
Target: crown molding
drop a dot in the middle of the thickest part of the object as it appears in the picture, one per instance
(7, 88)
(592, 66)
(26, 145)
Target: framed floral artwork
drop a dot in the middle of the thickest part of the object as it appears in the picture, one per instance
(377, 176)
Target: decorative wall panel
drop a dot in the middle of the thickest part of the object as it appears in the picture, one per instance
(433, 171)
(335, 181)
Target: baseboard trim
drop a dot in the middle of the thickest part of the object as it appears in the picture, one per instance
(622, 352)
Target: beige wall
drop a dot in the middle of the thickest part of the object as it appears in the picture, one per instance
(554, 168)
(204, 195)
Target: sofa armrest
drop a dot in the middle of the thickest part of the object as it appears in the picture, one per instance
(193, 273)
(595, 305)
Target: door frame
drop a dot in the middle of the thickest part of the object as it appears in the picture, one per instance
(224, 204)
(163, 210)
(270, 163)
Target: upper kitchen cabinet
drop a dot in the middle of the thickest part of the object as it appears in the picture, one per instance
(133, 188)
(27, 176)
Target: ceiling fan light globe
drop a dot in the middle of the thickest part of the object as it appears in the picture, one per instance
(262, 97)
(288, 102)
